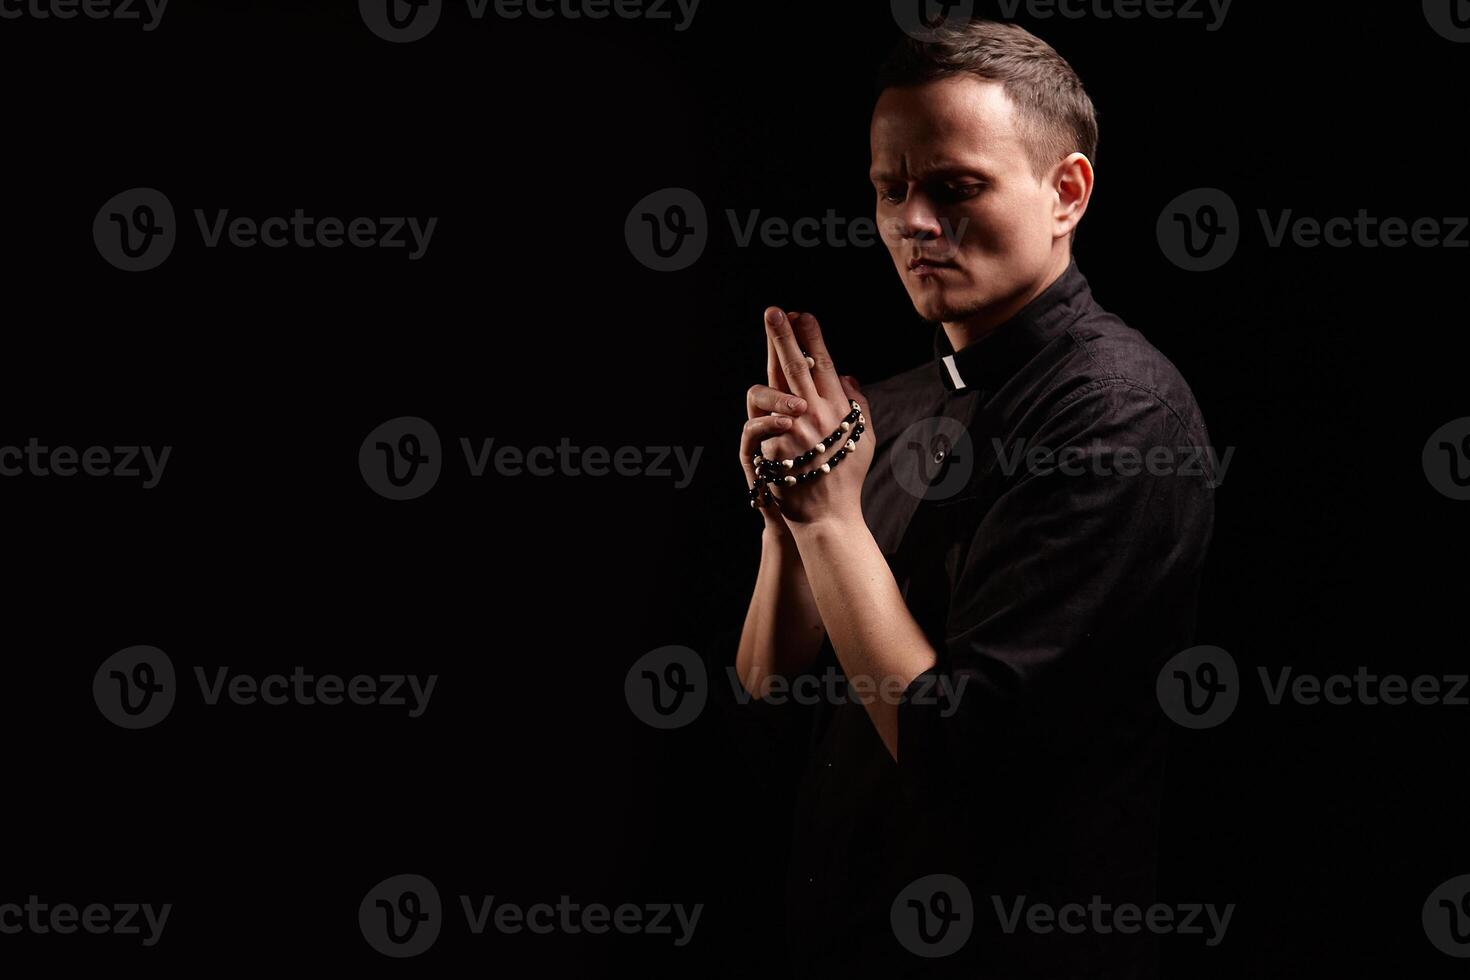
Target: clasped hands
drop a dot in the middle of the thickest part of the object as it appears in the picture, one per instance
(803, 401)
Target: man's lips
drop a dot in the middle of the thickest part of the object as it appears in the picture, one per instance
(928, 267)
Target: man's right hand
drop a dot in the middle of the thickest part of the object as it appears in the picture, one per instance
(770, 409)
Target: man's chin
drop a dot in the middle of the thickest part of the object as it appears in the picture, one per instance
(938, 310)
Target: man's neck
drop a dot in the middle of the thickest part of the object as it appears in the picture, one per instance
(962, 333)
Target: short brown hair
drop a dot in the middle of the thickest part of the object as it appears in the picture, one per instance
(1056, 116)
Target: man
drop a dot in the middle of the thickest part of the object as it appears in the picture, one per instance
(1006, 552)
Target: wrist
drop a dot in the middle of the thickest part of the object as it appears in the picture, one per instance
(828, 525)
(776, 538)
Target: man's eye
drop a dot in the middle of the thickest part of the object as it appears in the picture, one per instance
(960, 192)
(892, 196)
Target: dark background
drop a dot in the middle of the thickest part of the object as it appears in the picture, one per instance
(529, 320)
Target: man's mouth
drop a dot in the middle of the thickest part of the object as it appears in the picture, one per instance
(928, 267)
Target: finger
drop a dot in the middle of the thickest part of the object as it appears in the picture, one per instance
(774, 376)
(851, 390)
(824, 373)
(763, 400)
(788, 354)
(756, 431)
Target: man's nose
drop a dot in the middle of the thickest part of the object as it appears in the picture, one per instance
(917, 219)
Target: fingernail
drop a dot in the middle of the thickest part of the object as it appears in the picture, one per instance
(774, 318)
(783, 422)
(797, 405)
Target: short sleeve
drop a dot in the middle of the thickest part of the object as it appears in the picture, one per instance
(1071, 584)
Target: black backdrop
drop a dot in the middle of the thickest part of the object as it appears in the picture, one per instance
(527, 320)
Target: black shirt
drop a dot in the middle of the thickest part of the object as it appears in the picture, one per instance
(1053, 583)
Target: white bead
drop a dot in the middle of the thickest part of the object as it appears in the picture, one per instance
(811, 362)
(826, 467)
(851, 445)
(846, 426)
(791, 481)
(788, 463)
(819, 448)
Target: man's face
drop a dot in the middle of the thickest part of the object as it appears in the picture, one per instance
(954, 184)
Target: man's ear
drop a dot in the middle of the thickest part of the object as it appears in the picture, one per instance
(1072, 184)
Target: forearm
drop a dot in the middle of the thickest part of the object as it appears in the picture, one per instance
(783, 629)
(872, 631)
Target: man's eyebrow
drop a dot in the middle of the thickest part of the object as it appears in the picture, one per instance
(938, 168)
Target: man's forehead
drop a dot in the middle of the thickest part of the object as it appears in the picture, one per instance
(948, 123)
